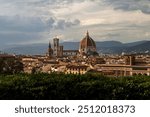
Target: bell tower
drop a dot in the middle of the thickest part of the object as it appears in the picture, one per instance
(56, 46)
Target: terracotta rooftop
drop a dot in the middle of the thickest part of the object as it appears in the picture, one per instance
(76, 66)
(6, 56)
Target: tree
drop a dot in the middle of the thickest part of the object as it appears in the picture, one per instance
(10, 65)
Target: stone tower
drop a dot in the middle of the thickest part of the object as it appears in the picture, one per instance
(57, 49)
(56, 46)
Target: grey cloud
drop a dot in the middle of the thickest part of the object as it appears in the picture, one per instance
(19, 29)
(62, 24)
(40, 2)
(130, 5)
(50, 22)
(35, 19)
(33, 24)
(9, 39)
(33, 7)
(21, 24)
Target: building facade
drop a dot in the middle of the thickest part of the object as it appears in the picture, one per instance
(124, 70)
(76, 69)
(87, 47)
(58, 50)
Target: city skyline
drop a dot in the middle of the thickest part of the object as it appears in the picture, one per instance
(38, 21)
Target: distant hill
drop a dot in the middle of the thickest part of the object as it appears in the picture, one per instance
(70, 45)
(140, 48)
(134, 43)
(105, 47)
(109, 44)
(117, 48)
(28, 49)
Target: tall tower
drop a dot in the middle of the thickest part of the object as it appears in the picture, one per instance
(130, 60)
(56, 46)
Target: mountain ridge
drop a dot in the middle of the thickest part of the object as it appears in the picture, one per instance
(104, 47)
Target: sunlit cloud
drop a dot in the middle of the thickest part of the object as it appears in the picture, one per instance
(36, 21)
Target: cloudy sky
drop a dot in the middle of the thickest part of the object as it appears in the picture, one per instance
(38, 21)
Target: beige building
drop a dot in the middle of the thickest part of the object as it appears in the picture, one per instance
(70, 52)
(76, 69)
(123, 70)
(131, 67)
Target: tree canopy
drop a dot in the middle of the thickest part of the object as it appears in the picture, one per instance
(62, 86)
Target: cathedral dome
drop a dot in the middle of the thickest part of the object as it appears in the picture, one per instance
(87, 41)
(87, 44)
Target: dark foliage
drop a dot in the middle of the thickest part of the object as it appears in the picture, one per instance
(61, 86)
(10, 66)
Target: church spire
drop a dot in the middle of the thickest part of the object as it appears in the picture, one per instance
(50, 50)
(49, 44)
(87, 33)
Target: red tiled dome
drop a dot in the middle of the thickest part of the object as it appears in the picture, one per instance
(87, 41)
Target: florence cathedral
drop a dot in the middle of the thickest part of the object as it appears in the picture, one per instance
(87, 47)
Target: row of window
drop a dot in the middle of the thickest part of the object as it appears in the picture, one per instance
(75, 69)
(68, 53)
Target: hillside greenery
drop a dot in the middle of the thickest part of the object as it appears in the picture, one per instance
(70, 87)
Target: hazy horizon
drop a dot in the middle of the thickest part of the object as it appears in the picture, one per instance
(62, 42)
(38, 21)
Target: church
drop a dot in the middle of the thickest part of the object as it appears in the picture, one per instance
(87, 47)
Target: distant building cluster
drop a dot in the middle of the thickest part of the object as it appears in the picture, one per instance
(84, 60)
(87, 47)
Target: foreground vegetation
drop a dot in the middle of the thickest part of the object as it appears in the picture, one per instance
(61, 86)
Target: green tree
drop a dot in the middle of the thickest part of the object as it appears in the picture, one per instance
(10, 65)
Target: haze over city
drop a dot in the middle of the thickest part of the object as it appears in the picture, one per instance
(38, 21)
